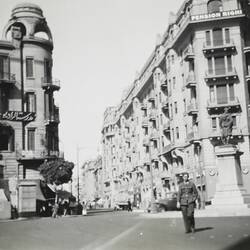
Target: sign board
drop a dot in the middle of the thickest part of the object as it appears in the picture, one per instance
(18, 116)
(216, 15)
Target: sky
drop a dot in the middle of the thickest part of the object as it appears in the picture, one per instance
(99, 45)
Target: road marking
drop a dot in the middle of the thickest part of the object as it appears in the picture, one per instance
(211, 237)
(245, 235)
(230, 236)
(112, 241)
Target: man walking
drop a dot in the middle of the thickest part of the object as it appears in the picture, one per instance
(186, 198)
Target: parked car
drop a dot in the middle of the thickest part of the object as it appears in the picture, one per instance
(167, 204)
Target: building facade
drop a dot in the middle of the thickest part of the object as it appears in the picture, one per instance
(168, 121)
(28, 116)
(91, 181)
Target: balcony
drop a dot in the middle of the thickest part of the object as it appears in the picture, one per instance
(110, 133)
(143, 106)
(146, 160)
(188, 53)
(145, 122)
(219, 46)
(193, 136)
(221, 74)
(215, 134)
(192, 108)
(6, 79)
(164, 104)
(50, 85)
(152, 115)
(38, 154)
(190, 80)
(221, 103)
(146, 141)
(151, 97)
(166, 127)
(154, 155)
(154, 135)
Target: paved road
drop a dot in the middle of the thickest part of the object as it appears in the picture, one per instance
(124, 231)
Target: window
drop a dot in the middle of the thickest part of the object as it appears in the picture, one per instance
(173, 139)
(229, 63)
(171, 111)
(231, 92)
(29, 67)
(210, 65)
(175, 107)
(217, 37)
(219, 65)
(208, 38)
(31, 102)
(172, 58)
(4, 67)
(234, 121)
(177, 133)
(214, 123)
(169, 87)
(227, 36)
(31, 139)
(214, 6)
(47, 70)
(221, 91)
(174, 82)
(185, 105)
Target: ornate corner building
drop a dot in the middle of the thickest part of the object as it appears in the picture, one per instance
(169, 117)
(28, 116)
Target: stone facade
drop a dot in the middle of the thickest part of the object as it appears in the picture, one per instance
(168, 120)
(29, 118)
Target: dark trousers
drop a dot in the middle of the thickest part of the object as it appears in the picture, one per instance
(188, 216)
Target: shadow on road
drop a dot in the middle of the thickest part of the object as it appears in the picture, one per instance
(203, 229)
(240, 245)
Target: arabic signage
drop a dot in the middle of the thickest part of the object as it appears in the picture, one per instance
(18, 116)
(216, 15)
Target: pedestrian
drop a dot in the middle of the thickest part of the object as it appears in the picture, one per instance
(84, 209)
(186, 198)
(55, 210)
(65, 208)
(129, 206)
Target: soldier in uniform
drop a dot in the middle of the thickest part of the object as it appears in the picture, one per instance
(186, 198)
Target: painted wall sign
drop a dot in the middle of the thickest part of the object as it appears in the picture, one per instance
(18, 116)
(216, 15)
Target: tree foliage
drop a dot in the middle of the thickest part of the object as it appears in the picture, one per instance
(56, 171)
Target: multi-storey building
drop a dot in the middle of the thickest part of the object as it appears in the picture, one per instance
(91, 181)
(169, 118)
(29, 118)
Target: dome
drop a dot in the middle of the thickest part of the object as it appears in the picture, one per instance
(27, 9)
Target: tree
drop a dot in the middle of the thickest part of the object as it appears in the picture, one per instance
(56, 172)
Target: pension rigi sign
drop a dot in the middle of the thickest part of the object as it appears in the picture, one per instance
(18, 116)
(215, 15)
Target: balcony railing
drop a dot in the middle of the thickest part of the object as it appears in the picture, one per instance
(192, 108)
(165, 104)
(152, 115)
(154, 135)
(192, 136)
(50, 84)
(221, 73)
(219, 45)
(7, 77)
(216, 133)
(190, 80)
(151, 97)
(223, 102)
(38, 154)
(145, 122)
(166, 126)
(188, 53)
(146, 140)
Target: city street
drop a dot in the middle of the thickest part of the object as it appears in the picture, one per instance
(123, 230)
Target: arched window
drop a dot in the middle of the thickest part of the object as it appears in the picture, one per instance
(6, 138)
(214, 6)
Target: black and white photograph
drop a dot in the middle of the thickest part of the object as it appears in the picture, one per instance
(124, 125)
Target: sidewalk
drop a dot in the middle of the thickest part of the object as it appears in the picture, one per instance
(208, 212)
